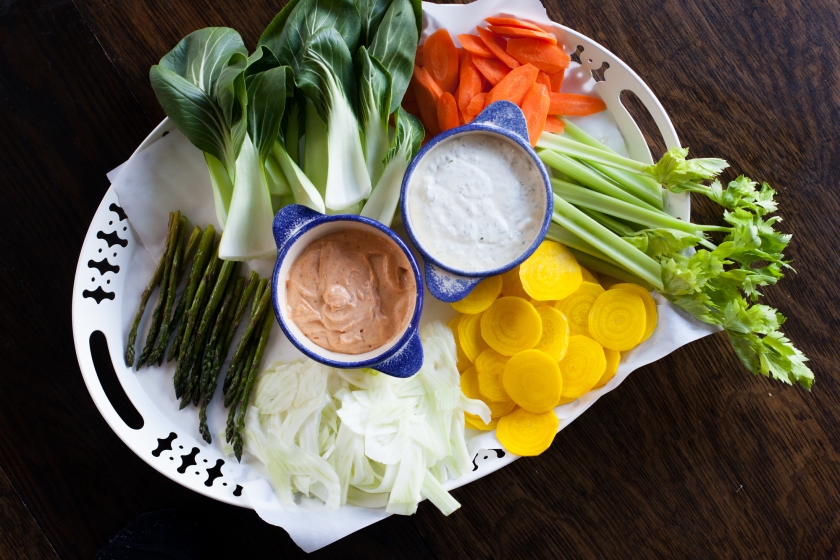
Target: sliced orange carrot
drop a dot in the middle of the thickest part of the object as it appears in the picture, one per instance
(545, 56)
(475, 46)
(427, 92)
(497, 45)
(440, 59)
(471, 82)
(418, 56)
(447, 112)
(544, 79)
(535, 107)
(554, 124)
(491, 68)
(513, 22)
(557, 80)
(476, 105)
(514, 86)
(575, 105)
(519, 32)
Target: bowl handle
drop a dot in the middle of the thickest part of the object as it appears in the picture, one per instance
(406, 362)
(446, 286)
(289, 220)
(506, 115)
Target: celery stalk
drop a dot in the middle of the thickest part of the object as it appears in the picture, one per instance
(572, 148)
(603, 267)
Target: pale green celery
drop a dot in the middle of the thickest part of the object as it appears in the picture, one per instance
(585, 175)
(612, 245)
(580, 196)
(303, 191)
(315, 149)
(222, 187)
(576, 149)
(278, 185)
(632, 183)
(565, 237)
(603, 267)
(613, 224)
(433, 490)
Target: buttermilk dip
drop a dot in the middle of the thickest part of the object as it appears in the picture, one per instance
(476, 202)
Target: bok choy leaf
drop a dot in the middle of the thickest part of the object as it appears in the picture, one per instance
(375, 107)
(395, 45)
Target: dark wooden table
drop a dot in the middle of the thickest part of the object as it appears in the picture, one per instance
(690, 457)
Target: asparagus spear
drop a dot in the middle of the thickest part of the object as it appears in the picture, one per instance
(154, 327)
(198, 266)
(144, 299)
(182, 370)
(233, 396)
(268, 323)
(223, 318)
(221, 355)
(174, 280)
(253, 324)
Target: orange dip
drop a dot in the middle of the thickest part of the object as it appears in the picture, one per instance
(351, 291)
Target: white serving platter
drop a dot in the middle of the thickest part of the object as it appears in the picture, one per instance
(168, 439)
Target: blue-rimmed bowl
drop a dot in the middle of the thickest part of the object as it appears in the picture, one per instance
(504, 119)
(295, 227)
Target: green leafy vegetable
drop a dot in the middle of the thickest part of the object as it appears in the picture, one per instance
(375, 106)
(395, 45)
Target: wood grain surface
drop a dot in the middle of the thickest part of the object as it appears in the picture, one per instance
(691, 457)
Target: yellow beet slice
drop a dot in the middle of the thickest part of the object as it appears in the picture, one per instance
(463, 361)
(469, 335)
(510, 326)
(552, 272)
(617, 320)
(476, 423)
(512, 285)
(480, 298)
(527, 434)
(576, 307)
(469, 386)
(582, 367)
(651, 315)
(555, 332)
(490, 366)
(613, 359)
(532, 379)
(589, 276)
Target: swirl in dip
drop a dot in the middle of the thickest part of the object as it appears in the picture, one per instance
(476, 202)
(351, 291)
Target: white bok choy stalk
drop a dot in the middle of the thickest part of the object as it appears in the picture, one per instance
(201, 86)
(375, 106)
(384, 199)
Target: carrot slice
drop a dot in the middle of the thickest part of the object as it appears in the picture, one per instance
(583, 366)
(613, 359)
(545, 56)
(544, 79)
(519, 32)
(418, 56)
(527, 434)
(552, 272)
(533, 381)
(491, 366)
(475, 46)
(491, 68)
(497, 45)
(447, 112)
(557, 80)
(555, 125)
(482, 296)
(469, 334)
(575, 105)
(510, 326)
(463, 361)
(651, 315)
(514, 86)
(470, 82)
(617, 320)
(427, 92)
(535, 108)
(555, 337)
(576, 307)
(440, 58)
(476, 105)
(513, 22)
(512, 285)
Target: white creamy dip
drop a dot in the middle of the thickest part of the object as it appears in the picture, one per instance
(476, 202)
